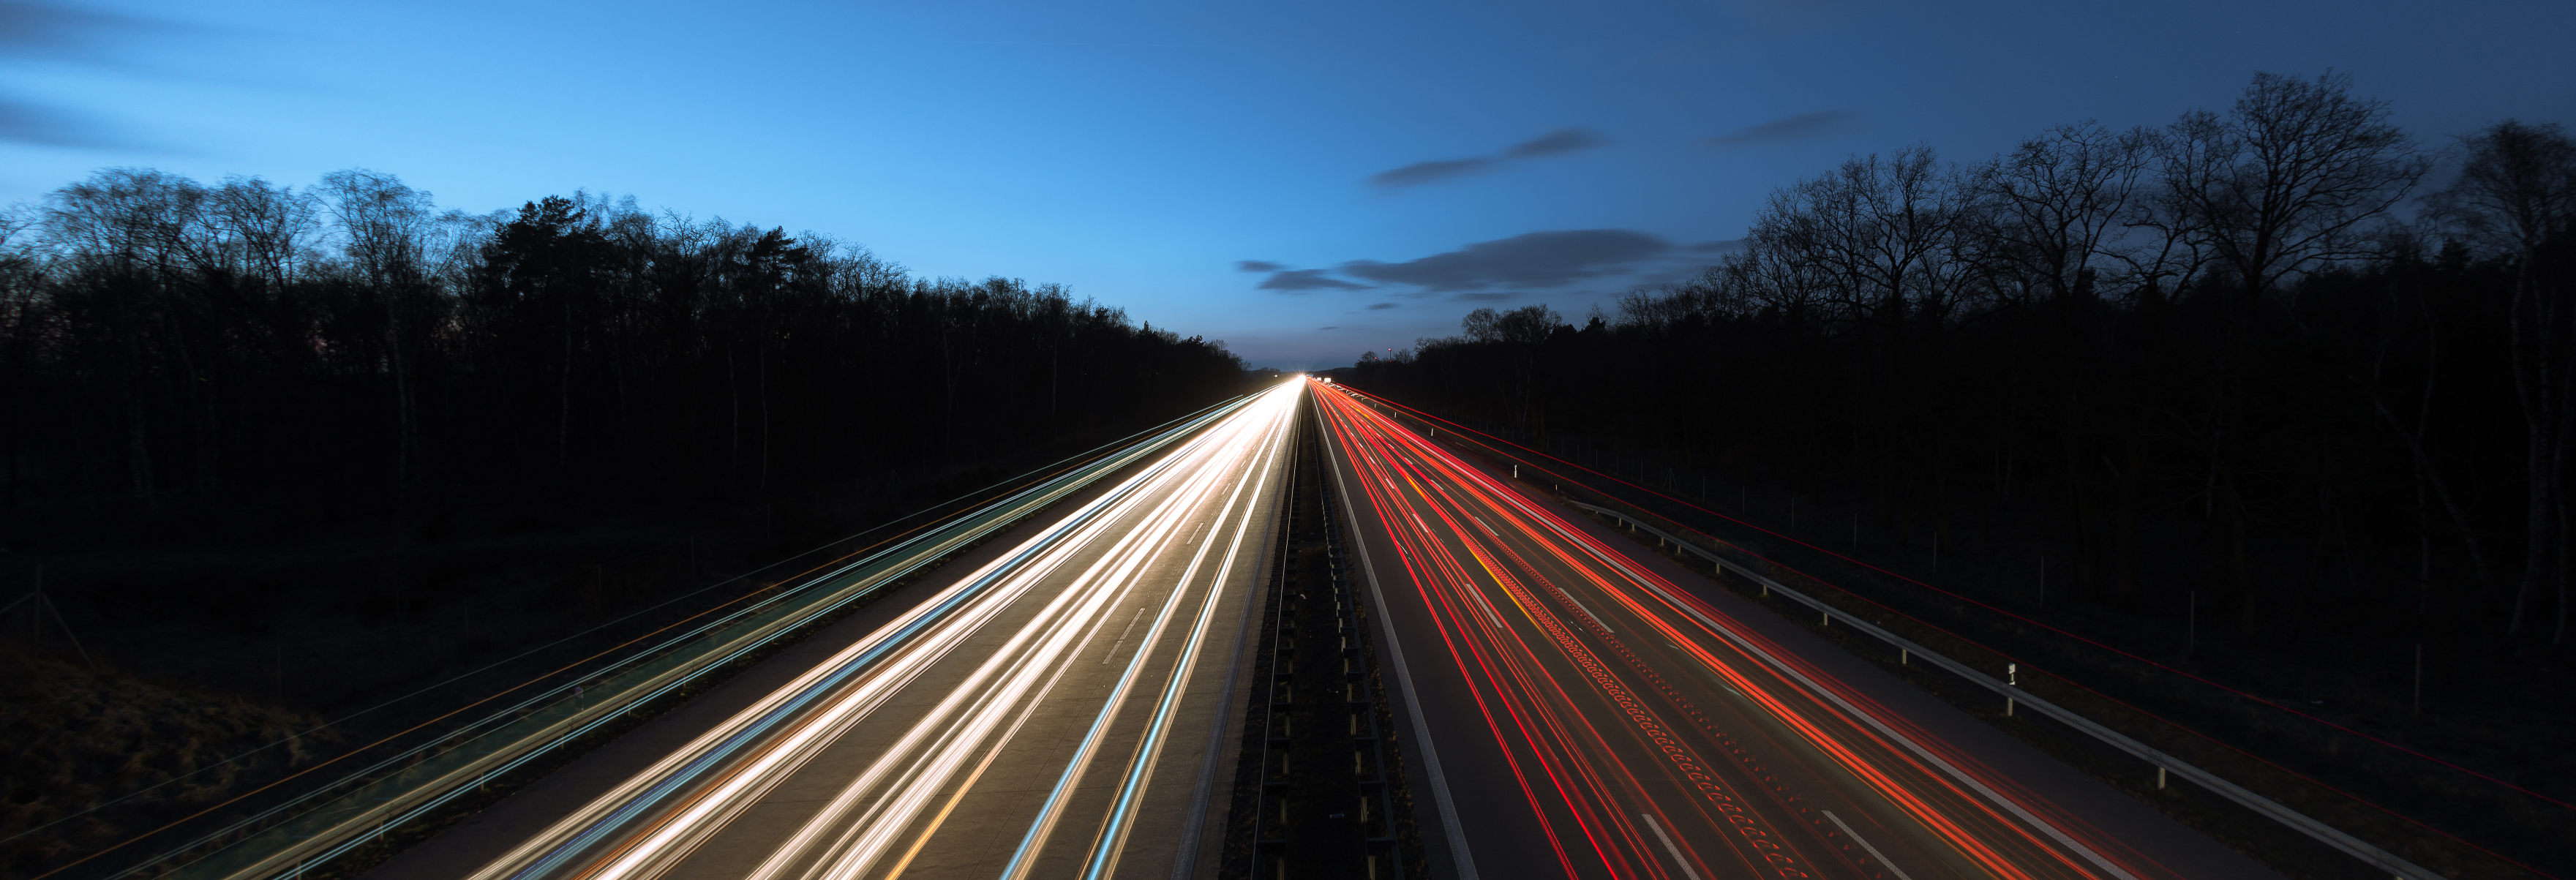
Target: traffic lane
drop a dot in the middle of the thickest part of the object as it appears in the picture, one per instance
(989, 821)
(1763, 754)
(1630, 643)
(2128, 833)
(747, 830)
(1501, 836)
(1006, 796)
(1998, 843)
(1606, 775)
(1784, 775)
(1573, 776)
(476, 841)
(1625, 716)
(654, 819)
(1178, 767)
(1574, 797)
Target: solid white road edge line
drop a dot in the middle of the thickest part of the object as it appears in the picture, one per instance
(1864, 844)
(1675, 851)
(1403, 676)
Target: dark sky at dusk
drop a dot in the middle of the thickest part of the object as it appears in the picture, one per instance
(1304, 180)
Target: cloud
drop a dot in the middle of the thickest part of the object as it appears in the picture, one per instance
(1257, 266)
(1803, 125)
(46, 30)
(1307, 279)
(25, 123)
(1334, 327)
(1378, 306)
(1482, 297)
(1420, 173)
(1536, 259)
(49, 32)
(1557, 143)
(1554, 143)
(1720, 246)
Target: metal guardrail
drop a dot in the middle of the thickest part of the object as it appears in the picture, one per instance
(2323, 833)
(333, 819)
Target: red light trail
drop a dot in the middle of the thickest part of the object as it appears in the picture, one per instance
(1659, 742)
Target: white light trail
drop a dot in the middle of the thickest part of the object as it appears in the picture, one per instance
(996, 645)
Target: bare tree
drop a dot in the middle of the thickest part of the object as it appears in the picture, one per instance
(124, 230)
(1884, 227)
(2049, 224)
(2291, 178)
(384, 225)
(2516, 199)
(2057, 206)
(263, 226)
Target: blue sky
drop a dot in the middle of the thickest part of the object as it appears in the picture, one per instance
(1142, 153)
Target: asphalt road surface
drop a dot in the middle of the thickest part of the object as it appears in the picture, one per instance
(1571, 706)
(1050, 714)
(1590, 714)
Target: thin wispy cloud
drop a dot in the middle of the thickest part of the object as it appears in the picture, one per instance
(1555, 143)
(1420, 173)
(64, 33)
(47, 32)
(1533, 260)
(25, 123)
(1302, 280)
(1801, 126)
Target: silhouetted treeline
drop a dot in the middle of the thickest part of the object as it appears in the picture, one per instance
(163, 339)
(2226, 320)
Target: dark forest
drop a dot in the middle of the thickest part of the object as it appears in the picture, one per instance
(194, 344)
(275, 455)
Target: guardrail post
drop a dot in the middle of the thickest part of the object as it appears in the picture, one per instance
(2160, 778)
(2419, 678)
(2191, 622)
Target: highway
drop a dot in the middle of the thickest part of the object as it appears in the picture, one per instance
(1062, 709)
(1588, 717)
(1052, 713)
